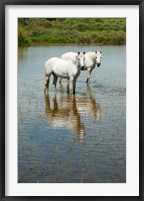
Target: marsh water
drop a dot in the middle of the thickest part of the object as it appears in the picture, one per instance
(65, 138)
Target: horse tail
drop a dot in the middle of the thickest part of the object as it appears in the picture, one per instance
(48, 68)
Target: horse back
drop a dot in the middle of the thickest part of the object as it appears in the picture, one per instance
(69, 56)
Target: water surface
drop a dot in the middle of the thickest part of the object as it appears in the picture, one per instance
(69, 138)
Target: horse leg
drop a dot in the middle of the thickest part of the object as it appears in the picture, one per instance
(74, 85)
(71, 83)
(60, 80)
(68, 85)
(89, 74)
(46, 85)
(55, 82)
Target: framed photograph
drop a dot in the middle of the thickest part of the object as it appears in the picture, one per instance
(71, 99)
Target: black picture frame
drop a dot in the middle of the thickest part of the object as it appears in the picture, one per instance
(3, 3)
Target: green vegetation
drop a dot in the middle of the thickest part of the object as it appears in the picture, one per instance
(80, 31)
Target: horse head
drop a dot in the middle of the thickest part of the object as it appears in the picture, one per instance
(98, 58)
(81, 59)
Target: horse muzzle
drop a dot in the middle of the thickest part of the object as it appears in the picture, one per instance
(82, 67)
(98, 64)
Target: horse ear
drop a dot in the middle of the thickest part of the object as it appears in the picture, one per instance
(78, 52)
(83, 52)
(100, 51)
(96, 52)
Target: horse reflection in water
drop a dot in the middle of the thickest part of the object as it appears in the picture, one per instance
(67, 112)
(64, 115)
(88, 106)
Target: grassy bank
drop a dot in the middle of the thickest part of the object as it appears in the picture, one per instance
(80, 31)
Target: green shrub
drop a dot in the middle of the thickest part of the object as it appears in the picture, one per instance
(23, 37)
(71, 30)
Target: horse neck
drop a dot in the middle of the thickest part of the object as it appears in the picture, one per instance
(94, 63)
(93, 59)
(78, 65)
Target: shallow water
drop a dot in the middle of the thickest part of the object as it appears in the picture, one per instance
(69, 138)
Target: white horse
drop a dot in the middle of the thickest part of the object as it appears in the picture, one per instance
(65, 69)
(91, 60)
